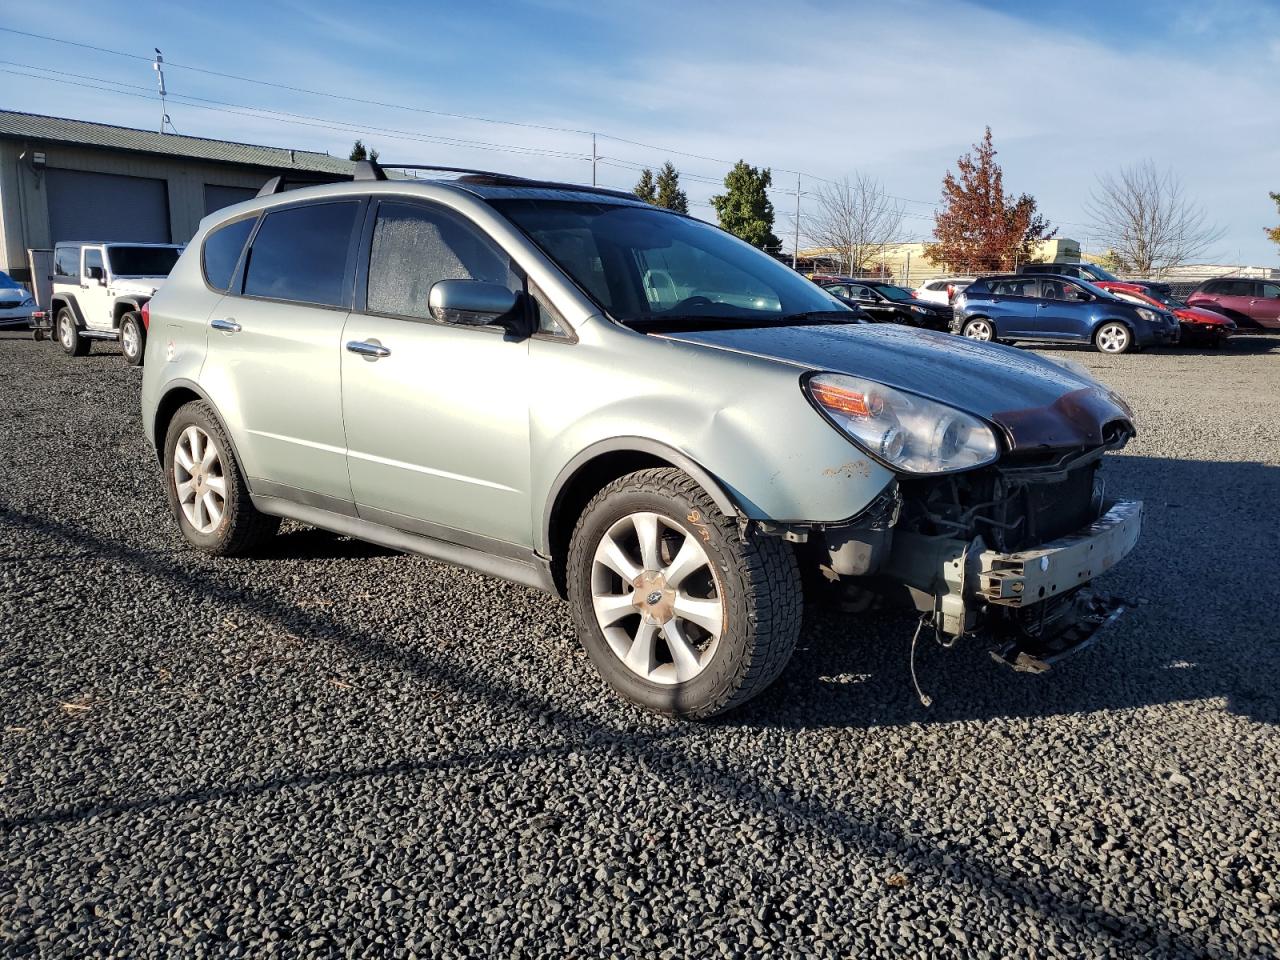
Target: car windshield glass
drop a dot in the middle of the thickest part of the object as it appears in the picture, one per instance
(8, 281)
(1095, 272)
(894, 293)
(142, 261)
(646, 267)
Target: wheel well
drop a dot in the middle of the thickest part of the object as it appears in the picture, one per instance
(169, 405)
(577, 492)
(122, 307)
(978, 316)
(1124, 323)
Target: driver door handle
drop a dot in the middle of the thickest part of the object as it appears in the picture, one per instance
(226, 325)
(373, 351)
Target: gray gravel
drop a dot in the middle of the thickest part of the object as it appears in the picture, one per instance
(340, 751)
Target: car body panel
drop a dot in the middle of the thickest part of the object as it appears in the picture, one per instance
(1195, 321)
(1254, 303)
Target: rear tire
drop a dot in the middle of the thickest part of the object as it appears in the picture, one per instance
(980, 329)
(133, 339)
(641, 641)
(206, 489)
(69, 334)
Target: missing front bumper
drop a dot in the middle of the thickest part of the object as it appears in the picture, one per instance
(1089, 620)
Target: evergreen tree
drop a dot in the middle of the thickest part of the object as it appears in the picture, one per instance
(744, 209)
(669, 193)
(645, 188)
(360, 152)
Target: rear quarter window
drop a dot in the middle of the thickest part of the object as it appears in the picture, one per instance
(221, 252)
(66, 261)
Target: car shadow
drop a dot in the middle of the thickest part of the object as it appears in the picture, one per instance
(298, 542)
(1247, 342)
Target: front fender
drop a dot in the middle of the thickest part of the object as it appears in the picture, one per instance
(743, 421)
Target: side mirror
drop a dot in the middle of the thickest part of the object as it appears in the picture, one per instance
(471, 303)
(97, 273)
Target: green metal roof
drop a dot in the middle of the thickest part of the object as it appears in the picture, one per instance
(37, 128)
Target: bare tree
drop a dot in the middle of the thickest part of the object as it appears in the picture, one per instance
(1146, 221)
(856, 218)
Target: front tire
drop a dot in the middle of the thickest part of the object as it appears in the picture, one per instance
(206, 489)
(1113, 337)
(678, 613)
(133, 338)
(69, 334)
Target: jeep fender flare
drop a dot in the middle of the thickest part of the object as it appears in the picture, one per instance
(125, 305)
(68, 300)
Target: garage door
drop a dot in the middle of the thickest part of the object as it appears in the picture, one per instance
(216, 197)
(104, 206)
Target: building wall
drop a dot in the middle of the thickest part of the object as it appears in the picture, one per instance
(24, 202)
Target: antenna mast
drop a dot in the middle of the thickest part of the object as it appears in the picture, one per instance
(158, 66)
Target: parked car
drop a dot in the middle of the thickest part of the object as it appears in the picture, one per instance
(16, 303)
(477, 370)
(889, 303)
(1250, 303)
(942, 290)
(1058, 310)
(1197, 325)
(99, 290)
(1084, 270)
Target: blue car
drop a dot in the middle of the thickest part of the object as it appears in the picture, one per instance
(1058, 310)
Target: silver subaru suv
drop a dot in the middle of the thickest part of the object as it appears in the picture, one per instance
(630, 408)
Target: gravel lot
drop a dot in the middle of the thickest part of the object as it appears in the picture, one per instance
(341, 751)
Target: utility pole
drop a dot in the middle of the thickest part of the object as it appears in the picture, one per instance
(158, 66)
(593, 159)
(795, 256)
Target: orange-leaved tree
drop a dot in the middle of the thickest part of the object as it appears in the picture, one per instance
(979, 226)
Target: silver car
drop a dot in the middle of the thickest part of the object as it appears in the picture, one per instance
(631, 409)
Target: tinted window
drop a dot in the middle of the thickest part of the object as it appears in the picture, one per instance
(93, 258)
(142, 261)
(1015, 288)
(1270, 290)
(414, 247)
(221, 252)
(66, 261)
(1238, 288)
(300, 254)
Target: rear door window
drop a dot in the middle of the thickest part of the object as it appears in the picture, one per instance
(1270, 290)
(415, 246)
(1015, 288)
(221, 252)
(301, 254)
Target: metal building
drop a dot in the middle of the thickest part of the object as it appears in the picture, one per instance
(76, 180)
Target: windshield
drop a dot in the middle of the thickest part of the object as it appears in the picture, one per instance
(142, 261)
(1096, 272)
(646, 267)
(893, 293)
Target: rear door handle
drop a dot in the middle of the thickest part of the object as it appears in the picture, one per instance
(225, 325)
(369, 349)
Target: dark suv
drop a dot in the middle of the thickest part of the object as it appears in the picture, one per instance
(1251, 303)
(1058, 309)
(1083, 270)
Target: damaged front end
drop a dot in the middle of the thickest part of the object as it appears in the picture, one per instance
(1004, 553)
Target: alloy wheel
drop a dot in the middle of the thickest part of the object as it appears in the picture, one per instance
(978, 330)
(657, 598)
(129, 340)
(200, 480)
(1113, 338)
(66, 331)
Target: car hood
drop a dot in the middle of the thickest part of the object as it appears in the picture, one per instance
(1037, 403)
(1201, 315)
(143, 285)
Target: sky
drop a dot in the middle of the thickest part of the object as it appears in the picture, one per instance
(894, 91)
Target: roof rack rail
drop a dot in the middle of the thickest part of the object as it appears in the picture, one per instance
(298, 178)
(373, 170)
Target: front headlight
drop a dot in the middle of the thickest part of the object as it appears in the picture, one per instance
(1148, 315)
(917, 309)
(906, 432)
(29, 302)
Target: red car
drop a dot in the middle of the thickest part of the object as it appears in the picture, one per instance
(1196, 323)
(1254, 303)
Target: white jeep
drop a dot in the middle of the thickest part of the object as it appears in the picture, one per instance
(100, 289)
